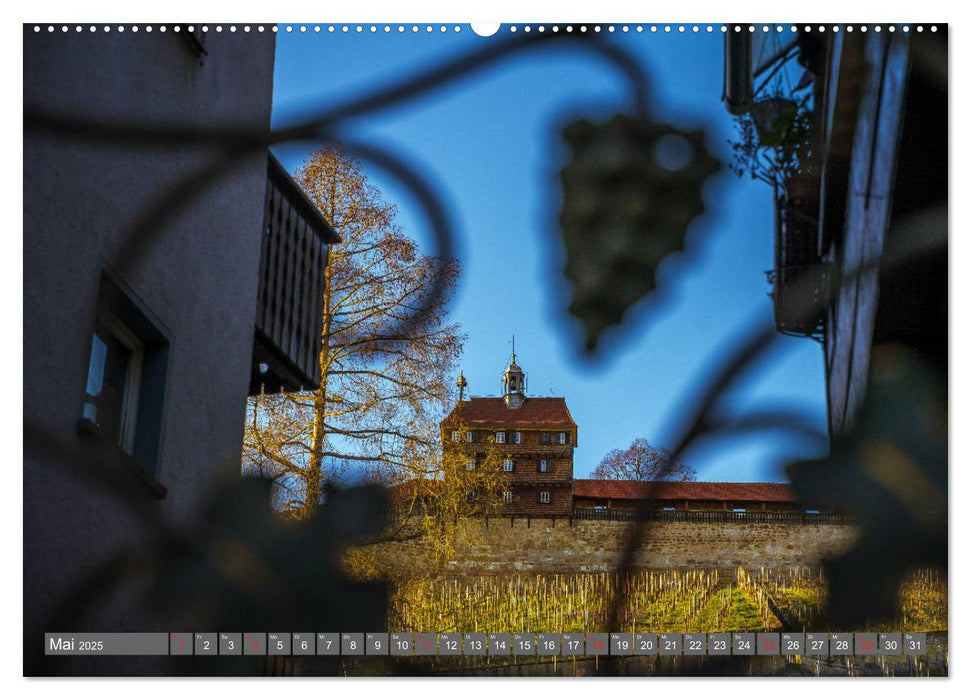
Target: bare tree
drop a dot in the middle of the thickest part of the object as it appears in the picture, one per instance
(382, 390)
(469, 482)
(642, 462)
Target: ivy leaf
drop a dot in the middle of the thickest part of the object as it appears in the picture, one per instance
(890, 473)
(249, 567)
(630, 190)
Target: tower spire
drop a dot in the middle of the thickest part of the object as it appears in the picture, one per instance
(514, 381)
(461, 383)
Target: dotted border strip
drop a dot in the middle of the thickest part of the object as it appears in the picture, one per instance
(513, 28)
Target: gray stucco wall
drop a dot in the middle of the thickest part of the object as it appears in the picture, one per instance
(199, 278)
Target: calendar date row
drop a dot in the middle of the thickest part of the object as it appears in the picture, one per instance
(488, 644)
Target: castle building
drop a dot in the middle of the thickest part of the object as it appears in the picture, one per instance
(535, 437)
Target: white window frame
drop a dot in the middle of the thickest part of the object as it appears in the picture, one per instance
(517, 437)
(133, 378)
(456, 436)
(501, 437)
(470, 436)
(544, 466)
(545, 497)
(470, 465)
(562, 438)
(507, 496)
(508, 465)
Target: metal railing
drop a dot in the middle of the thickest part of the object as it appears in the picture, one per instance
(714, 516)
(668, 516)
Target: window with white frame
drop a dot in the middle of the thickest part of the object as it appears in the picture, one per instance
(517, 437)
(508, 465)
(507, 496)
(456, 436)
(114, 379)
(470, 465)
(470, 436)
(124, 394)
(544, 496)
(544, 465)
(562, 438)
(501, 437)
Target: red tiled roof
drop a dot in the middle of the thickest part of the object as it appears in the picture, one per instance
(684, 490)
(492, 412)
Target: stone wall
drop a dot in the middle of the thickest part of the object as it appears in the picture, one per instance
(556, 545)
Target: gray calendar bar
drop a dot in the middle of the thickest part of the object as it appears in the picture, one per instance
(496, 644)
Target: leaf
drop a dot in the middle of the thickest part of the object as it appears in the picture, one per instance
(630, 190)
(890, 473)
(248, 567)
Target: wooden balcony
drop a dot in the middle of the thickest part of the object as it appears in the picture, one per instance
(287, 342)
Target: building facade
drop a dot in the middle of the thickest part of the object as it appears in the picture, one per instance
(534, 437)
(139, 357)
(877, 174)
(861, 266)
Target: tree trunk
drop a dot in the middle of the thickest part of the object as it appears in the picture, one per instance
(315, 466)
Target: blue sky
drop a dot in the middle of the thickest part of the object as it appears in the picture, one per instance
(490, 145)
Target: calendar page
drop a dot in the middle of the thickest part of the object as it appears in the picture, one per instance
(514, 350)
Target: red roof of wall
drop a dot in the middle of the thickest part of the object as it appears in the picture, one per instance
(684, 490)
(492, 412)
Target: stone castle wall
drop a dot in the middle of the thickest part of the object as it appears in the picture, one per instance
(546, 545)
